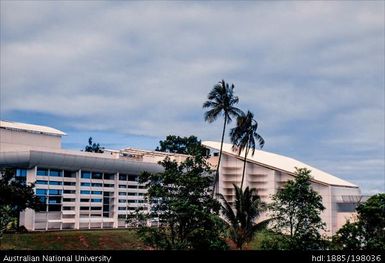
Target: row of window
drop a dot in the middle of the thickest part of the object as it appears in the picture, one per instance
(131, 208)
(93, 200)
(84, 174)
(48, 192)
(130, 201)
(92, 184)
(130, 194)
(86, 192)
(132, 186)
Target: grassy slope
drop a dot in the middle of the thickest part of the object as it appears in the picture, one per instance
(76, 240)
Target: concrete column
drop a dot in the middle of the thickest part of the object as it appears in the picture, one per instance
(77, 200)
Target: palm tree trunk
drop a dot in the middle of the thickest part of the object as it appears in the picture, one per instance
(216, 179)
(244, 166)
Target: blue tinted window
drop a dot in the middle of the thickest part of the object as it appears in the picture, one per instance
(42, 172)
(55, 183)
(84, 192)
(42, 199)
(41, 182)
(97, 176)
(57, 173)
(41, 191)
(96, 192)
(21, 172)
(86, 175)
(85, 184)
(54, 192)
(109, 176)
(96, 200)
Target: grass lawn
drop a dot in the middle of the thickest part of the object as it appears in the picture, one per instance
(74, 240)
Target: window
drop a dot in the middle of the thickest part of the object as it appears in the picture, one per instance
(84, 200)
(122, 201)
(95, 200)
(84, 208)
(41, 192)
(108, 176)
(132, 186)
(55, 183)
(85, 184)
(54, 200)
(54, 207)
(122, 186)
(69, 191)
(54, 192)
(68, 199)
(122, 177)
(108, 185)
(122, 193)
(121, 208)
(96, 192)
(57, 173)
(70, 174)
(68, 208)
(132, 177)
(84, 192)
(97, 185)
(41, 182)
(346, 207)
(43, 199)
(97, 176)
(96, 208)
(42, 172)
(69, 183)
(21, 172)
(86, 175)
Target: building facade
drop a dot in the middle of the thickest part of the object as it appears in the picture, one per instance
(268, 172)
(81, 190)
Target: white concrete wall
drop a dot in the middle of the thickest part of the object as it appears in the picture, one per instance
(13, 140)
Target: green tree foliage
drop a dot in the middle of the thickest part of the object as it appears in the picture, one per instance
(241, 219)
(296, 210)
(15, 196)
(244, 137)
(368, 232)
(183, 145)
(181, 200)
(93, 147)
(221, 101)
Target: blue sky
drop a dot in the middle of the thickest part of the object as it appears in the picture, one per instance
(130, 73)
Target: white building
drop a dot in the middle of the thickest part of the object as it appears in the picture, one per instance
(268, 172)
(82, 190)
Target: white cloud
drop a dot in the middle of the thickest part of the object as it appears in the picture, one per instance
(306, 69)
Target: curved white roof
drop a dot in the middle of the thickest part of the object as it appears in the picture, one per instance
(282, 163)
(30, 128)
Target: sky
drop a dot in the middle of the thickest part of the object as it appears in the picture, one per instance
(130, 73)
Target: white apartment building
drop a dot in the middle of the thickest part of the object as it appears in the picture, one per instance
(82, 190)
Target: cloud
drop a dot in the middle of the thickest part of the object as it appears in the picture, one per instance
(312, 72)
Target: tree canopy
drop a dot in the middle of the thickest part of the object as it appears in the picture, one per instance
(183, 145)
(93, 147)
(296, 210)
(368, 232)
(15, 196)
(181, 200)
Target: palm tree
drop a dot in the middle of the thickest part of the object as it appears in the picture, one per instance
(221, 101)
(241, 222)
(244, 137)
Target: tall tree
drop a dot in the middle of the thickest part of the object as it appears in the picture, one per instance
(93, 147)
(244, 137)
(241, 220)
(183, 145)
(221, 102)
(15, 196)
(296, 210)
(180, 198)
